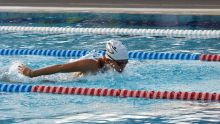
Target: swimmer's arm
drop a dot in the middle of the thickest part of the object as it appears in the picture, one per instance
(83, 66)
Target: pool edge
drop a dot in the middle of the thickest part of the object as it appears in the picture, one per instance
(177, 11)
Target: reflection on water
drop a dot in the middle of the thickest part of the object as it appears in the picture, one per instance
(29, 108)
(171, 112)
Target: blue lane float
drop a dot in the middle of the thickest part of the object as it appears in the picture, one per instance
(136, 55)
(15, 88)
(167, 56)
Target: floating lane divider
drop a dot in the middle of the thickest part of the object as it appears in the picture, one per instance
(209, 57)
(116, 31)
(136, 55)
(205, 96)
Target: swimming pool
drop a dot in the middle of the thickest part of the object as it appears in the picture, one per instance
(170, 75)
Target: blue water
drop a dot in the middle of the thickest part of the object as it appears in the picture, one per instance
(138, 75)
(109, 20)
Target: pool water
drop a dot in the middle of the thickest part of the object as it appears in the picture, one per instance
(109, 20)
(170, 75)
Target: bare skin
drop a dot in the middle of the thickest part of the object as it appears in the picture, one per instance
(83, 66)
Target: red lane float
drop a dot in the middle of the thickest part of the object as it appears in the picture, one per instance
(209, 57)
(129, 93)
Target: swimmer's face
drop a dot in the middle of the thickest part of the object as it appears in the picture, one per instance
(122, 63)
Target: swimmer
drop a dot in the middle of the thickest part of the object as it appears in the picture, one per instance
(116, 58)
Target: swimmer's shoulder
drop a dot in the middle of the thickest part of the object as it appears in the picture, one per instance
(98, 61)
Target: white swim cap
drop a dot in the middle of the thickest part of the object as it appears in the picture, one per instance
(116, 50)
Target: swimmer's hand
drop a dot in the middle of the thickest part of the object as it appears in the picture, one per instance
(24, 70)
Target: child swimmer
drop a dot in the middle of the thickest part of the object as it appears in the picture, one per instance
(116, 58)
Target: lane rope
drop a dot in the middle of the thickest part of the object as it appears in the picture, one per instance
(116, 31)
(180, 95)
(209, 57)
(135, 55)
